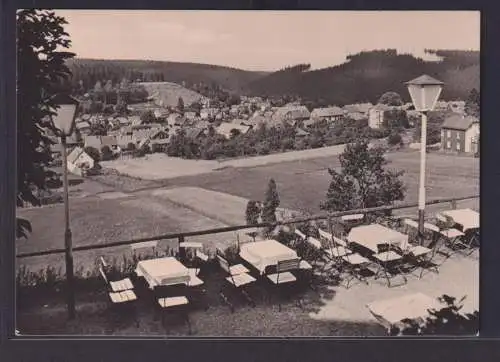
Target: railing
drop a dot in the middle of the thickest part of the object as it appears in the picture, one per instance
(182, 236)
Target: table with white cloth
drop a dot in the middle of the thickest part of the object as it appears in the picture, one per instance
(262, 254)
(390, 312)
(467, 218)
(373, 235)
(163, 272)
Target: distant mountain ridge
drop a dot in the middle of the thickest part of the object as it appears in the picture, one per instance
(363, 77)
(367, 75)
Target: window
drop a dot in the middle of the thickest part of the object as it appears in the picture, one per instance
(448, 133)
(458, 146)
(458, 135)
(448, 144)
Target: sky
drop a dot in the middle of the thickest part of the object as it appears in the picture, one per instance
(265, 41)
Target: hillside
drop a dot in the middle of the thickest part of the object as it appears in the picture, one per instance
(367, 75)
(167, 94)
(89, 71)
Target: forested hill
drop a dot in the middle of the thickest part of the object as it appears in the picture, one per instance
(89, 71)
(367, 75)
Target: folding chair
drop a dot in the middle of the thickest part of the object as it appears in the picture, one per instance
(353, 265)
(239, 281)
(114, 286)
(283, 276)
(173, 298)
(138, 247)
(122, 300)
(453, 240)
(423, 257)
(389, 263)
(336, 248)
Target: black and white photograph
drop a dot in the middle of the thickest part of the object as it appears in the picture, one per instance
(198, 173)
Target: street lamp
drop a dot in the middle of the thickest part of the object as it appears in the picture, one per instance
(424, 92)
(64, 122)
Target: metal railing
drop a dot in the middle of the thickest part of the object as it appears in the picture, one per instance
(183, 235)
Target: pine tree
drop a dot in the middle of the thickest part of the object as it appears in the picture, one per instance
(271, 203)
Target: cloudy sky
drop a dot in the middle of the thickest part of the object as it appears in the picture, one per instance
(264, 40)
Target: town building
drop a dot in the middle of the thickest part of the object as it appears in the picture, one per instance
(460, 134)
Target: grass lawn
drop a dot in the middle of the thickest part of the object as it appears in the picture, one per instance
(98, 220)
(302, 185)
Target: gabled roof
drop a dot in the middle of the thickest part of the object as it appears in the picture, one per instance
(82, 125)
(358, 107)
(327, 112)
(458, 122)
(73, 155)
(292, 112)
(194, 132)
(299, 132)
(255, 121)
(108, 141)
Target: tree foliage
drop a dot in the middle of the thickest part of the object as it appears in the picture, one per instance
(446, 321)
(391, 99)
(271, 203)
(473, 103)
(180, 105)
(93, 153)
(252, 212)
(41, 71)
(362, 181)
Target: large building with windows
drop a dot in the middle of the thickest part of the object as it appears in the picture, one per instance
(460, 134)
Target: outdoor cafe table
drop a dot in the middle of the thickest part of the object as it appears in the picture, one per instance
(390, 312)
(163, 271)
(467, 218)
(262, 254)
(371, 236)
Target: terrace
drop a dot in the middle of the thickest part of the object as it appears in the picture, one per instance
(328, 306)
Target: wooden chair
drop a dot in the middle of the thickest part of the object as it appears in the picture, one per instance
(283, 275)
(237, 280)
(173, 298)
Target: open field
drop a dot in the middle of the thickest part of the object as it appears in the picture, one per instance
(110, 217)
(302, 184)
(159, 166)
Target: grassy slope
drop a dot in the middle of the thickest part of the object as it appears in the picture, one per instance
(177, 72)
(169, 93)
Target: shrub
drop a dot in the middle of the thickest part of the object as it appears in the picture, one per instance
(445, 321)
(93, 152)
(106, 153)
(394, 139)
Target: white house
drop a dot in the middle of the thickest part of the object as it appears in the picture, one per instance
(460, 134)
(79, 161)
(376, 116)
(329, 114)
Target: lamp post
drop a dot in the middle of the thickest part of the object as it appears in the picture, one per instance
(424, 92)
(64, 121)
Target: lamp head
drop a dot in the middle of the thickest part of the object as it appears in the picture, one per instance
(424, 92)
(65, 113)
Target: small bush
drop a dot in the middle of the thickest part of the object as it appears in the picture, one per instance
(394, 139)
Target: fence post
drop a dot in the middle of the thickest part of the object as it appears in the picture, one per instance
(453, 204)
(182, 251)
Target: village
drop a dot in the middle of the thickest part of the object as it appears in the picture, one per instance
(149, 127)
